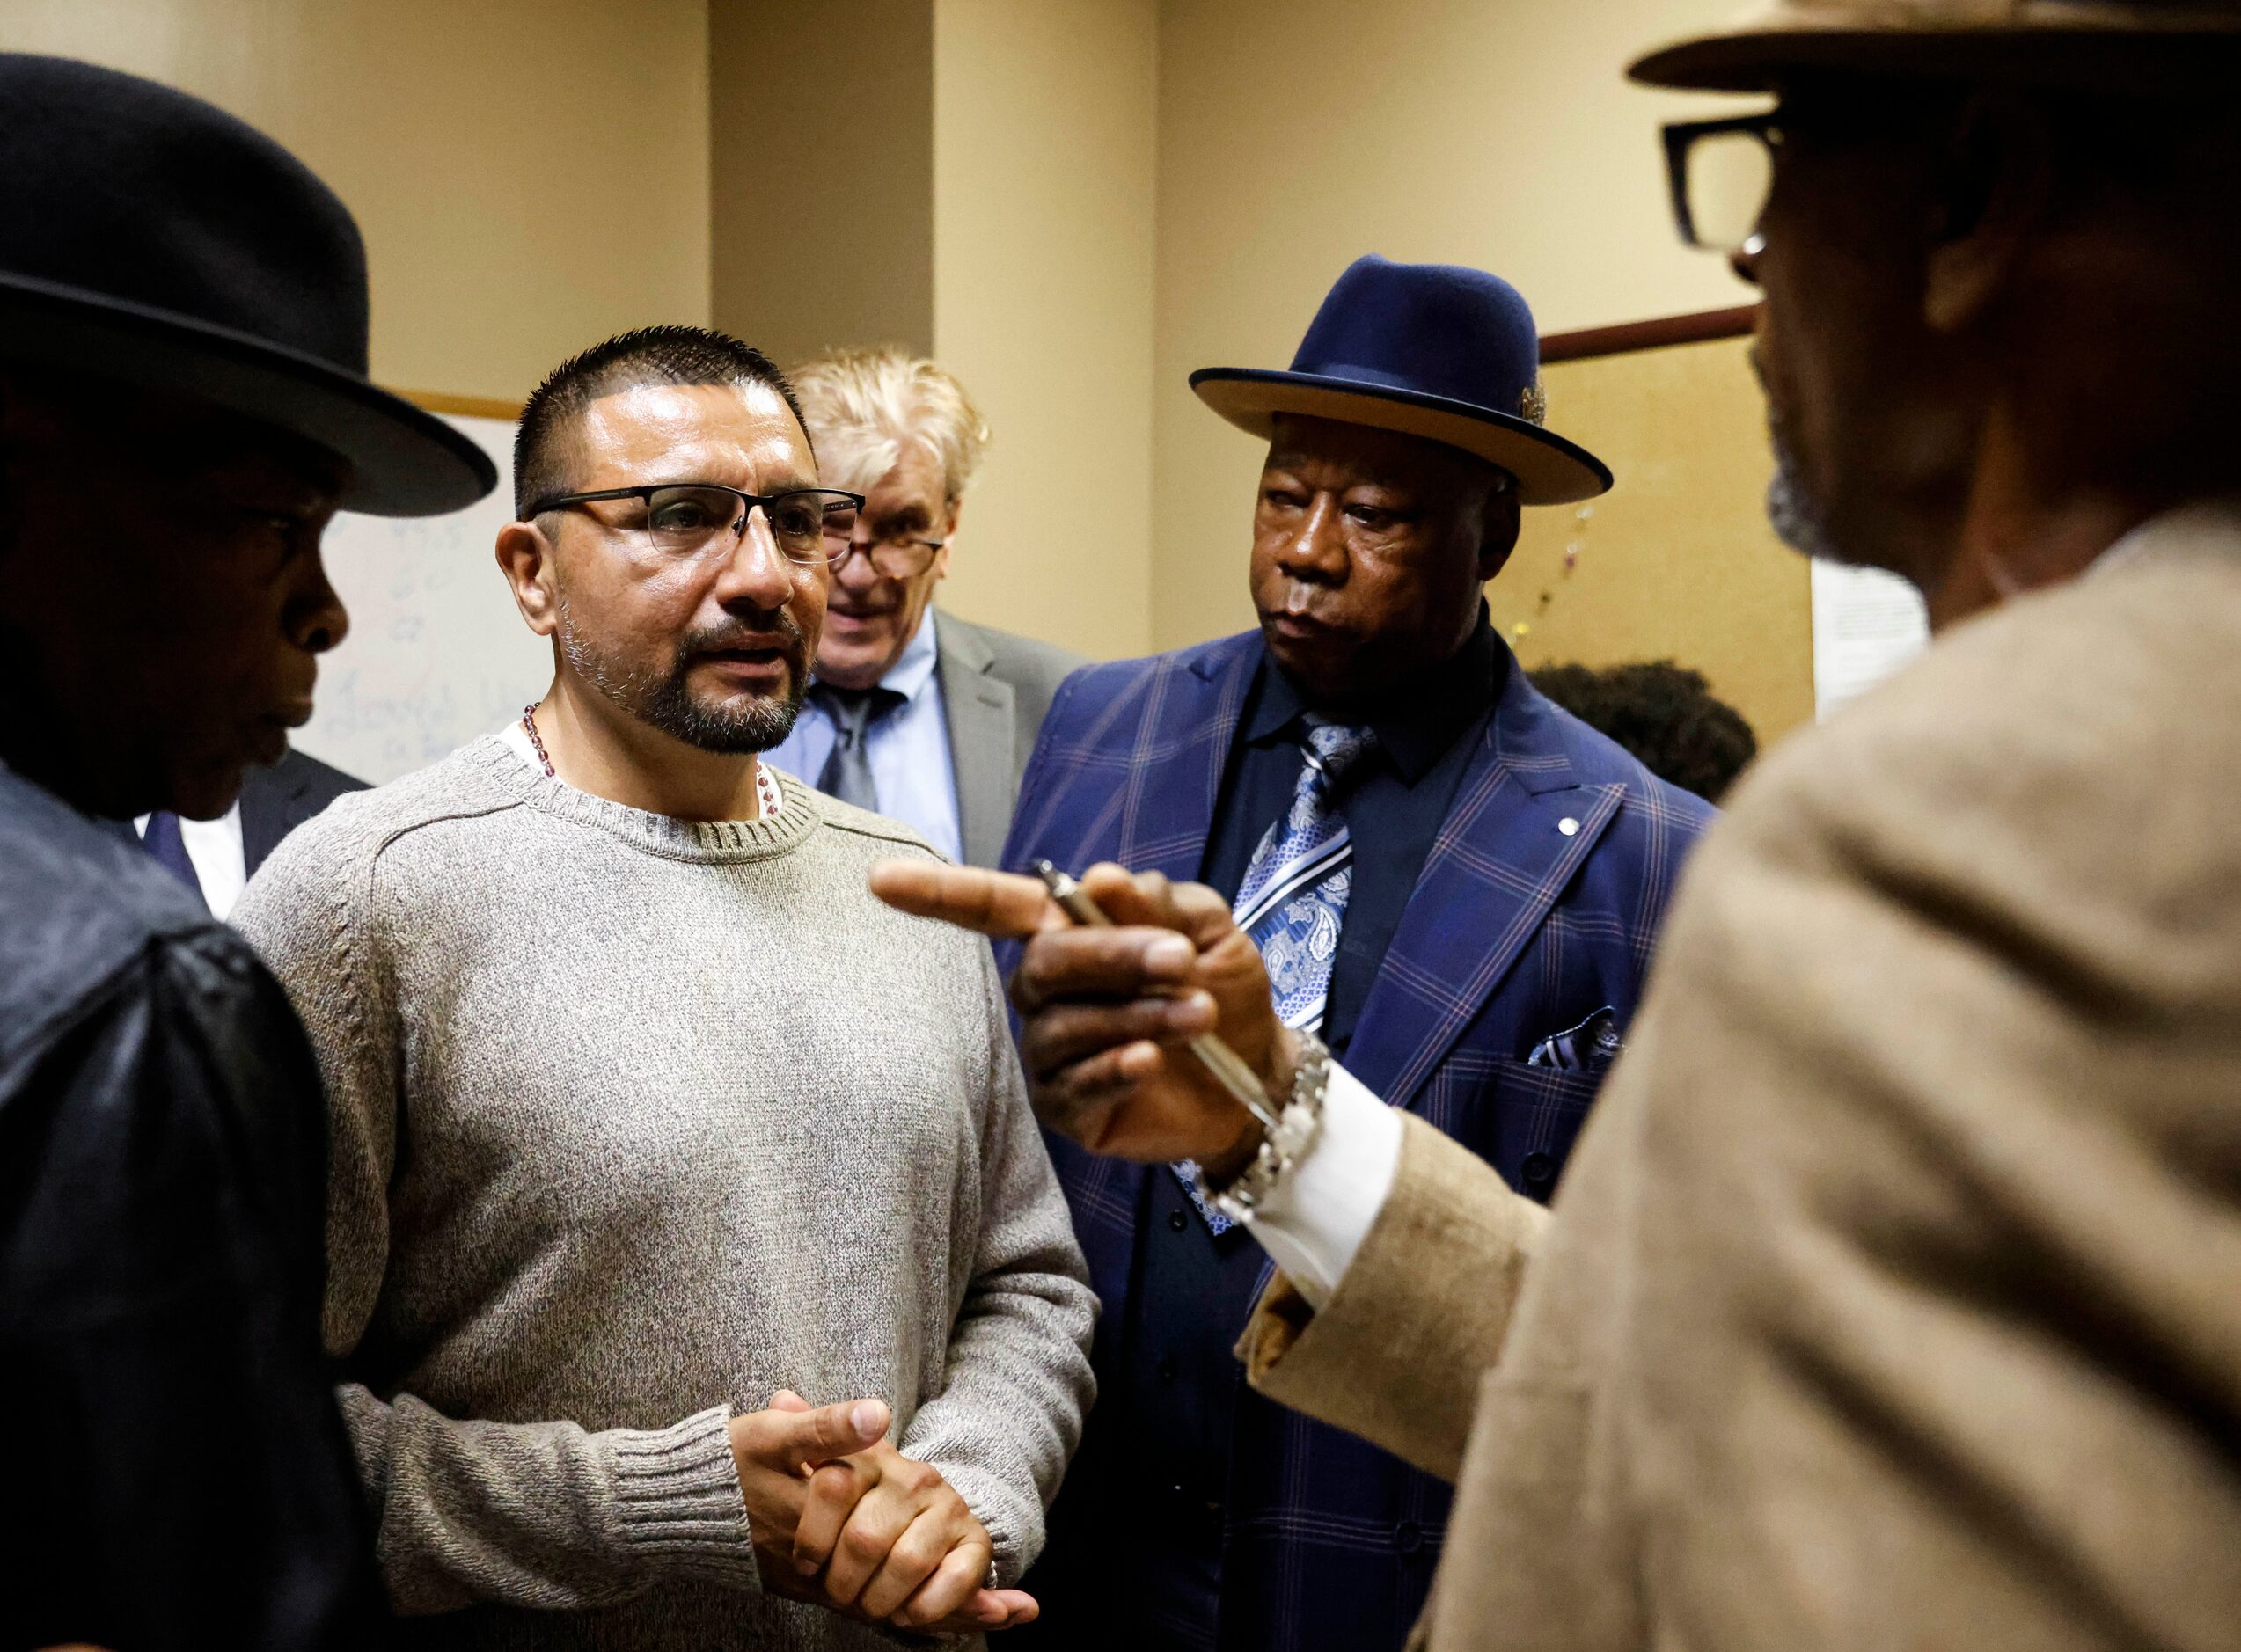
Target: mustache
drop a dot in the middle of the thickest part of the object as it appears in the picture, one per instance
(748, 633)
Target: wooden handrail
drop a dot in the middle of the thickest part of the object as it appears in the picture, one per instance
(1697, 328)
(442, 401)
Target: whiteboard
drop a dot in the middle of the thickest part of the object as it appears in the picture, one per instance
(1867, 625)
(436, 653)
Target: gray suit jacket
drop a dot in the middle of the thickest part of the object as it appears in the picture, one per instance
(995, 689)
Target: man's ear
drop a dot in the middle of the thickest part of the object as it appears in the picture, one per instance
(526, 557)
(1499, 523)
(1990, 189)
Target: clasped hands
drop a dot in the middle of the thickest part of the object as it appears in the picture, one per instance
(1107, 1015)
(843, 1520)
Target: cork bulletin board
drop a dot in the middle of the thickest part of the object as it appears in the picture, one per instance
(1677, 561)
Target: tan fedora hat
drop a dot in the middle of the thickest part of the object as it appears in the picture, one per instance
(2094, 41)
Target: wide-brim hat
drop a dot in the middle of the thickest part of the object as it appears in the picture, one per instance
(2089, 42)
(1433, 350)
(149, 237)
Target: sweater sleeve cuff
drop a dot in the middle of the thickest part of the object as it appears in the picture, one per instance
(995, 1503)
(678, 1502)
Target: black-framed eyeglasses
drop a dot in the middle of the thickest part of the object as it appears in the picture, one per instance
(892, 555)
(688, 519)
(1721, 173)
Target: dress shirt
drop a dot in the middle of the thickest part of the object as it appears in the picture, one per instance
(1314, 1219)
(908, 749)
(1178, 1387)
(221, 864)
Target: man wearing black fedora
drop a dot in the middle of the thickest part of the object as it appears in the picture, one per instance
(1453, 883)
(183, 406)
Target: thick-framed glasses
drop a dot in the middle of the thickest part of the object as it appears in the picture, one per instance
(688, 519)
(1721, 173)
(893, 556)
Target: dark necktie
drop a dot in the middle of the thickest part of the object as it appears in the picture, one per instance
(847, 774)
(163, 841)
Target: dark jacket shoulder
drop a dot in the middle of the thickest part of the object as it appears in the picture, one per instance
(82, 907)
(276, 800)
(161, 1125)
(303, 778)
(1097, 704)
(1597, 759)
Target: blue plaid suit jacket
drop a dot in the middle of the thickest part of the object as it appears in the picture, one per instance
(1537, 906)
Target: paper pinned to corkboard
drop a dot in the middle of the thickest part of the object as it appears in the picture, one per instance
(1867, 625)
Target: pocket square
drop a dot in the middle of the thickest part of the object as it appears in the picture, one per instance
(1591, 1046)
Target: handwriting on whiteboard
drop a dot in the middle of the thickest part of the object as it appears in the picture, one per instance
(436, 653)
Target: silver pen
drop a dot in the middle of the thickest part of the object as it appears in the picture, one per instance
(1227, 1065)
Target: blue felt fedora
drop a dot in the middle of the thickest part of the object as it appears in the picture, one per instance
(1431, 350)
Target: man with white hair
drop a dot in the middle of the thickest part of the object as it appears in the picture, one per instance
(913, 713)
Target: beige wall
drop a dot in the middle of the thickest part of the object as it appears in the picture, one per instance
(529, 175)
(1681, 564)
(1295, 134)
(987, 197)
(822, 202)
(1044, 155)
(1072, 202)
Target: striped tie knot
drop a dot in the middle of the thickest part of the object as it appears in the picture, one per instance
(1333, 749)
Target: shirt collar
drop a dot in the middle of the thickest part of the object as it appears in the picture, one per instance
(1417, 725)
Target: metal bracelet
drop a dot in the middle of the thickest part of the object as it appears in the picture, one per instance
(1295, 1132)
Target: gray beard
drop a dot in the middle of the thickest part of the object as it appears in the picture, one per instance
(663, 700)
(1798, 520)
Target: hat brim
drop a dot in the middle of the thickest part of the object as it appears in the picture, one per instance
(1763, 54)
(404, 461)
(1549, 470)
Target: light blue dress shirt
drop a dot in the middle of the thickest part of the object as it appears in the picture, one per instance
(908, 749)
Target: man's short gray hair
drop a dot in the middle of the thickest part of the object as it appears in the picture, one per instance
(863, 407)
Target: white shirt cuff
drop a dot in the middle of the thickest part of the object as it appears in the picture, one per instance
(1315, 1218)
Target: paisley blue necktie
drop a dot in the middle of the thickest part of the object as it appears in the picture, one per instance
(1293, 901)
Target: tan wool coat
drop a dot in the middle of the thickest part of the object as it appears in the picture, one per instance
(1894, 1297)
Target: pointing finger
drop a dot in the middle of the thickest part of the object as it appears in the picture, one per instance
(994, 902)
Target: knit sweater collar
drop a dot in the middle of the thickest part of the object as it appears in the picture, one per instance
(725, 842)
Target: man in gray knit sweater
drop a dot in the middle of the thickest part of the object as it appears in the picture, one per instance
(650, 1127)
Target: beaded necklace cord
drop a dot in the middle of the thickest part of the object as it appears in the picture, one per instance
(766, 791)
